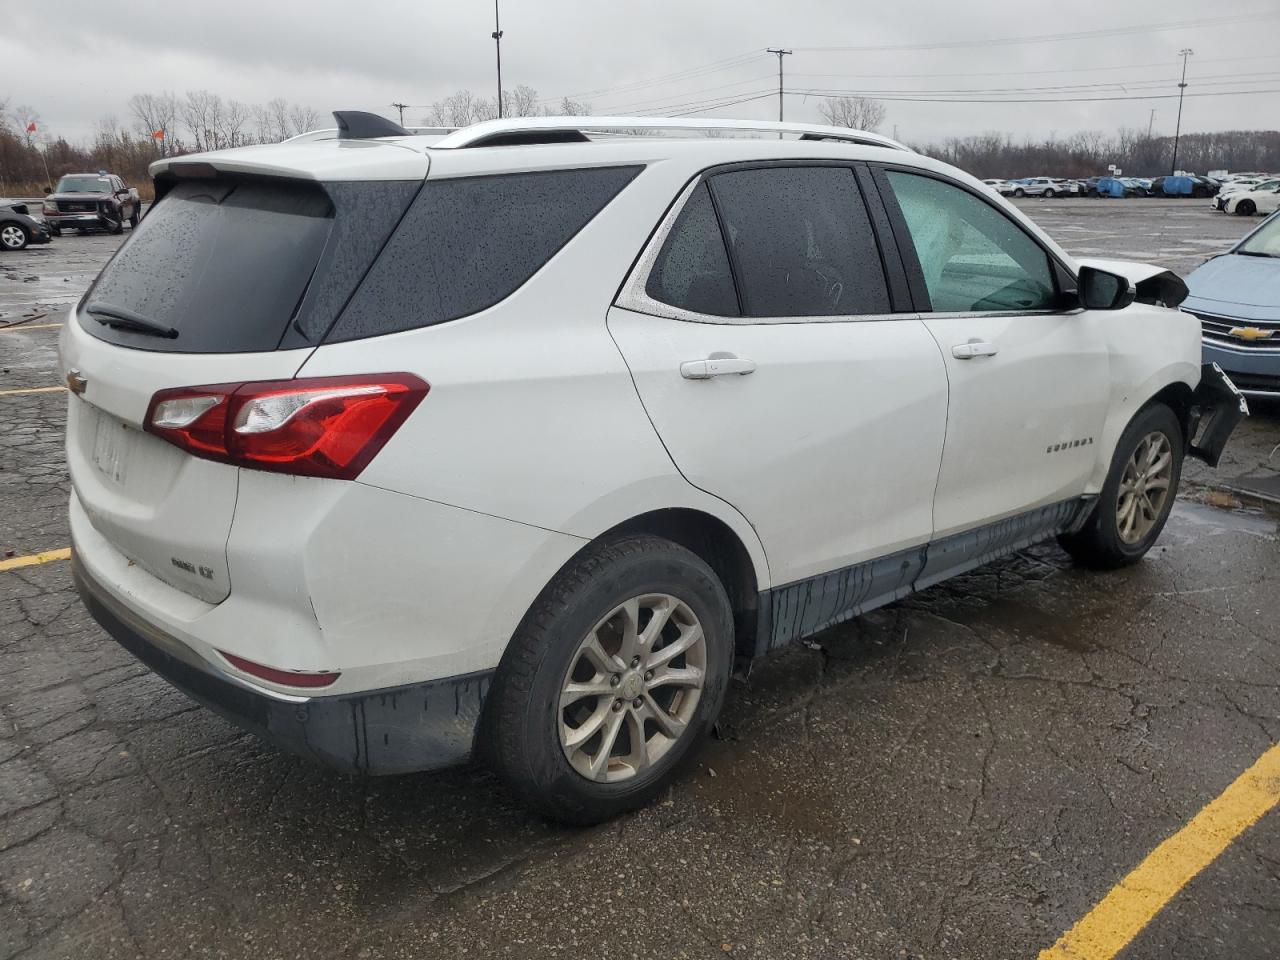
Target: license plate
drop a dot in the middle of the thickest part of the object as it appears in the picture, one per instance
(112, 447)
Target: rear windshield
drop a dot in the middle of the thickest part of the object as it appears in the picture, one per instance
(224, 263)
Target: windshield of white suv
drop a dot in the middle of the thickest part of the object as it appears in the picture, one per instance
(1266, 242)
(84, 185)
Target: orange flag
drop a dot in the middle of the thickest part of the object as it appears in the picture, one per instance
(158, 134)
(31, 127)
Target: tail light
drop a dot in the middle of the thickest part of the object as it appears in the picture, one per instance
(313, 427)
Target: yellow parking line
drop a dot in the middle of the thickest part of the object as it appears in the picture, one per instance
(1106, 929)
(29, 326)
(10, 393)
(13, 563)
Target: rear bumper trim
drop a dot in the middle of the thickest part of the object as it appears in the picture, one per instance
(423, 726)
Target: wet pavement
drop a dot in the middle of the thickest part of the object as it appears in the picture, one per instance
(961, 775)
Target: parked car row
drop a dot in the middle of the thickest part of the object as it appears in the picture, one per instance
(1049, 187)
(80, 201)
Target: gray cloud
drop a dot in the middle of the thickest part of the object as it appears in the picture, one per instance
(76, 61)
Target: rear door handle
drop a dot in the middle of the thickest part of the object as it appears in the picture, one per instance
(716, 367)
(974, 348)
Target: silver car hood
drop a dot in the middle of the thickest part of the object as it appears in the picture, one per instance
(1247, 288)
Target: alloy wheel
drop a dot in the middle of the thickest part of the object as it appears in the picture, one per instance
(1144, 487)
(632, 688)
(13, 237)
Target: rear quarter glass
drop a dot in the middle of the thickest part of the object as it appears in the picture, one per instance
(468, 243)
(241, 265)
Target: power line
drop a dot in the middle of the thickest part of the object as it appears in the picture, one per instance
(1121, 85)
(654, 104)
(1051, 37)
(714, 66)
(1020, 73)
(1147, 96)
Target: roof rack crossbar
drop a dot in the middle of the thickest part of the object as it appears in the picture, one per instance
(526, 130)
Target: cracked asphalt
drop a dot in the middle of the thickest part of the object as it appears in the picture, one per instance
(961, 775)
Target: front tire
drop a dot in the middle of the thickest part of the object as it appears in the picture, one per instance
(1246, 208)
(134, 218)
(1135, 501)
(13, 236)
(1019, 192)
(612, 680)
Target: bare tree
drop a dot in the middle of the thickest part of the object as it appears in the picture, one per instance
(232, 124)
(574, 108)
(156, 113)
(201, 113)
(858, 113)
(272, 120)
(302, 119)
(24, 116)
(520, 102)
(458, 110)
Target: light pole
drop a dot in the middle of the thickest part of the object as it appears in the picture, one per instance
(1182, 87)
(497, 46)
(781, 53)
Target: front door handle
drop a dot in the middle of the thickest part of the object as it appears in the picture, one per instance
(974, 348)
(716, 367)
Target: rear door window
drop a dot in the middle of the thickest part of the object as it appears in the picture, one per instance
(468, 243)
(801, 242)
(692, 269)
(224, 263)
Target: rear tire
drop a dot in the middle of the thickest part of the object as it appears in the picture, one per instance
(1019, 192)
(1049, 194)
(1139, 492)
(539, 719)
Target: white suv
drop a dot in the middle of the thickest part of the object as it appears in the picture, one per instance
(396, 450)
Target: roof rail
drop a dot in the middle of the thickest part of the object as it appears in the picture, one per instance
(524, 130)
(331, 133)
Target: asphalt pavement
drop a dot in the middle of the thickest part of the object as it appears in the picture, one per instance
(964, 774)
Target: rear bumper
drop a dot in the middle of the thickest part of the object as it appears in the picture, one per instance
(422, 726)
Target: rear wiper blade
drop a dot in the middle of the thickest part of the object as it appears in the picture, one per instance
(122, 319)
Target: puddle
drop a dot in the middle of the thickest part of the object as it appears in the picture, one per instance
(1253, 522)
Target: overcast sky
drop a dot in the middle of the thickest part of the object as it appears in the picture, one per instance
(76, 61)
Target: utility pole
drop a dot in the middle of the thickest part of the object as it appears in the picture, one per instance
(1177, 130)
(1151, 122)
(400, 107)
(497, 46)
(781, 53)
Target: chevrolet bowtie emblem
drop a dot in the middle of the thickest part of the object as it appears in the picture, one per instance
(76, 382)
(1251, 333)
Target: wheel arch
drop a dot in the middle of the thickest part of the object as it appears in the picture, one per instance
(1172, 386)
(720, 547)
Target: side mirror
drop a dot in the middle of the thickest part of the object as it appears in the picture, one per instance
(48, 190)
(1100, 290)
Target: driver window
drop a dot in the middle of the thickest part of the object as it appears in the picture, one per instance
(801, 242)
(974, 258)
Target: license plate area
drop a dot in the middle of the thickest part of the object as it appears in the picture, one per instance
(114, 446)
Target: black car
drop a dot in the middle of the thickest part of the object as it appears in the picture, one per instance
(18, 227)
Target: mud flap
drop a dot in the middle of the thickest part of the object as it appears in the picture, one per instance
(1217, 406)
